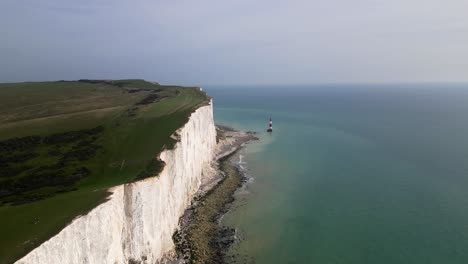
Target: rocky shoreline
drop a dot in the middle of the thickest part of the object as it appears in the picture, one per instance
(200, 238)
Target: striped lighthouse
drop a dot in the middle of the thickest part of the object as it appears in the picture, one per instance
(270, 127)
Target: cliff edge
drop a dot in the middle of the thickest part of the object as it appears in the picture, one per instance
(137, 222)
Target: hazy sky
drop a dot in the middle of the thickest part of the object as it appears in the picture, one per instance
(231, 42)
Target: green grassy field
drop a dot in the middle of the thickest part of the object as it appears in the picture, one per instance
(132, 122)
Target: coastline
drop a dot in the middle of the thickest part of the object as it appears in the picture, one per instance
(200, 237)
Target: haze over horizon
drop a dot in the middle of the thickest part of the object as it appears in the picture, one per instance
(213, 42)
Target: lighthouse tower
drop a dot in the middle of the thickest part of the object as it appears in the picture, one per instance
(270, 127)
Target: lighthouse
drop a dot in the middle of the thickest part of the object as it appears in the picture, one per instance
(270, 127)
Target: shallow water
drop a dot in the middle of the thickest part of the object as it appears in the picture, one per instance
(351, 174)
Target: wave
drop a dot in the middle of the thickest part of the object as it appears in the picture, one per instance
(247, 177)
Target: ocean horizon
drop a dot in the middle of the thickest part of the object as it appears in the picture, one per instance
(351, 173)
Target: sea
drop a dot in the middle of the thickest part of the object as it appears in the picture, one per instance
(355, 174)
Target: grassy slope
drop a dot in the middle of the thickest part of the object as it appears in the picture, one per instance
(129, 143)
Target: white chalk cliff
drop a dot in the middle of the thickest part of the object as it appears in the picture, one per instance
(139, 219)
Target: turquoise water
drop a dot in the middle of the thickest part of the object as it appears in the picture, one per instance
(351, 174)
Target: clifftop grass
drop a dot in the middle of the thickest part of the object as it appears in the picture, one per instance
(135, 120)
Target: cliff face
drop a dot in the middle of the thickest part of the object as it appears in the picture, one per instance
(139, 219)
